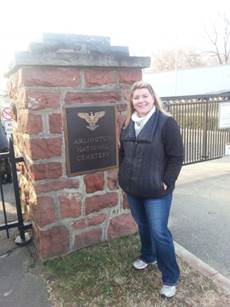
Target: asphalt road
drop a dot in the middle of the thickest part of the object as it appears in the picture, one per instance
(200, 216)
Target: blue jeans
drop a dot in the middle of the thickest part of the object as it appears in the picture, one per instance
(151, 216)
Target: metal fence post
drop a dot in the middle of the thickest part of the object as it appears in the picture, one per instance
(4, 208)
(23, 239)
(205, 131)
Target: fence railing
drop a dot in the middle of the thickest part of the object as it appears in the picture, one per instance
(19, 222)
(198, 118)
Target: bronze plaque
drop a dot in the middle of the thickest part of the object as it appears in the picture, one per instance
(91, 140)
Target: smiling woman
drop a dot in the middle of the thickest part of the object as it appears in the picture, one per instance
(151, 155)
(143, 101)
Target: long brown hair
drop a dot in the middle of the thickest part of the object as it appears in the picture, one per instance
(139, 85)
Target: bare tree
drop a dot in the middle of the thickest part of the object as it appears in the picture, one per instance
(218, 36)
(165, 60)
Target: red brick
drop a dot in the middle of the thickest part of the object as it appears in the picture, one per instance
(130, 75)
(43, 211)
(29, 123)
(99, 202)
(99, 77)
(53, 242)
(70, 205)
(103, 97)
(57, 185)
(94, 182)
(50, 76)
(80, 224)
(35, 100)
(44, 148)
(112, 179)
(55, 123)
(125, 201)
(92, 221)
(88, 238)
(46, 170)
(98, 219)
(121, 226)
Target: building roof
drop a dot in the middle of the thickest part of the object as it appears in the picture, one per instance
(194, 81)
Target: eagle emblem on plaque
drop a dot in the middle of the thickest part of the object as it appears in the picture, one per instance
(91, 119)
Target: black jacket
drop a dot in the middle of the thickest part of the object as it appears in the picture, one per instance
(152, 158)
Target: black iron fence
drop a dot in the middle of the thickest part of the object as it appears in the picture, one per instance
(8, 160)
(198, 117)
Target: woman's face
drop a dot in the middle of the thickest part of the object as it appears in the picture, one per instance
(142, 101)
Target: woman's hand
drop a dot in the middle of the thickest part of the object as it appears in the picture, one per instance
(165, 187)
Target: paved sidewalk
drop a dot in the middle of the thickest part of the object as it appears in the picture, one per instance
(20, 286)
(200, 219)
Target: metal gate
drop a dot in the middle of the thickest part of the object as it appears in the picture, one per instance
(9, 157)
(198, 118)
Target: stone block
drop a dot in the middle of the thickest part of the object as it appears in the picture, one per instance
(70, 205)
(53, 242)
(92, 97)
(99, 77)
(39, 100)
(129, 75)
(44, 148)
(88, 238)
(43, 211)
(30, 123)
(94, 182)
(99, 202)
(49, 170)
(125, 201)
(55, 123)
(90, 221)
(50, 76)
(57, 185)
(121, 225)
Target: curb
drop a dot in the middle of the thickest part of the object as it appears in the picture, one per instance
(222, 282)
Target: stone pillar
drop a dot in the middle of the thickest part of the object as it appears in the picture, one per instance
(69, 213)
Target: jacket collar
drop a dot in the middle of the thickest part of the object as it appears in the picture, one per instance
(146, 134)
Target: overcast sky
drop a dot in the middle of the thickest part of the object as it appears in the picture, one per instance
(144, 26)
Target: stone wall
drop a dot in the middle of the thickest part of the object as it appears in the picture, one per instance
(69, 213)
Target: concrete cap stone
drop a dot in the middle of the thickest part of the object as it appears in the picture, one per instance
(76, 50)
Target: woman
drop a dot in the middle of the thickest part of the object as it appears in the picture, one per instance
(151, 155)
